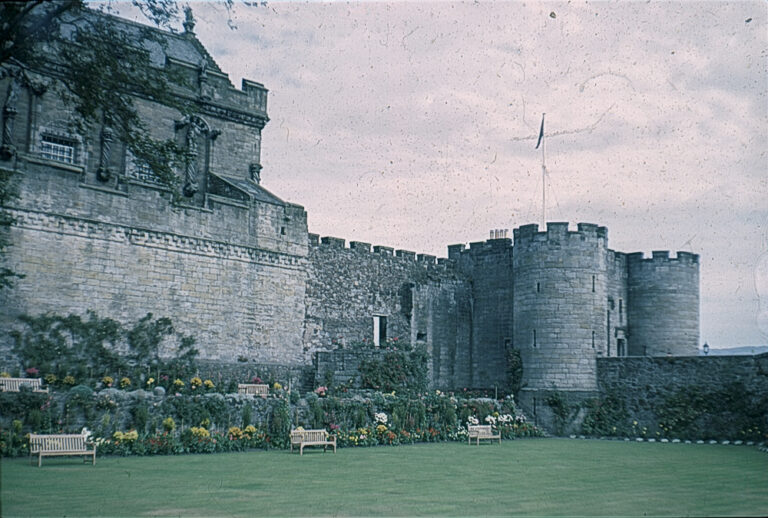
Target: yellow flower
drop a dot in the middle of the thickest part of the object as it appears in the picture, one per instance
(107, 380)
(208, 384)
(277, 386)
(125, 382)
(235, 432)
(150, 381)
(5, 374)
(178, 383)
(199, 432)
(169, 424)
(69, 380)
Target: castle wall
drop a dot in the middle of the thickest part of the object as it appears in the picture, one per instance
(422, 303)
(489, 267)
(643, 384)
(236, 301)
(234, 266)
(227, 265)
(663, 307)
(615, 341)
(560, 304)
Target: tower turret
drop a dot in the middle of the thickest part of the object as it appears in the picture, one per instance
(663, 306)
(560, 304)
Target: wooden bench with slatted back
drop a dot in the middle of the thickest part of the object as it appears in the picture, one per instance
(255, 389)
(481, 431)
(51, 445)
(303, 438)
(14, 384)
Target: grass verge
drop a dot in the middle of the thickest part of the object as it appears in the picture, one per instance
(545, 477)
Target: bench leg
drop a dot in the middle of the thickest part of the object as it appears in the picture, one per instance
(301, 449)
(39, 459)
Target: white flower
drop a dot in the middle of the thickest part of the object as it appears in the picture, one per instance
(472, 420)
(86, 433)
(381, 417)
(490, 419)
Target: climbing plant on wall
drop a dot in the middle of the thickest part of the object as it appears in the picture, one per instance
(87, 347)
(395, 370)
(514, 371)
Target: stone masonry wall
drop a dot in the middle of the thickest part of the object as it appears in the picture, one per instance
(424, 303)
(236, 301)
(663, 304)
(644, 382)
(616, 321)
(489, 266)
(560, 304)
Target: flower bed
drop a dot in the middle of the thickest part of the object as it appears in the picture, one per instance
(140, 423)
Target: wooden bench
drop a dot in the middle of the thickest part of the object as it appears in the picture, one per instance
(54, 445)
(14, 384)
(253, 389)
(303, 438)
(481, 431)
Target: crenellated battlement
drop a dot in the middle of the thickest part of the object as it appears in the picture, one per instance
(492, 246)
(662, 257)
(366, 248)
(558, 231)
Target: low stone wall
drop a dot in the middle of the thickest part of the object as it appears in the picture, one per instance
(295, 377)
(641, 380)
(541, 407)
(719, 392)
(341, 366)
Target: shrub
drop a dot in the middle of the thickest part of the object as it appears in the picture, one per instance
(169, 424)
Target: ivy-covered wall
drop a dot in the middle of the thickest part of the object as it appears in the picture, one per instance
(716, 397)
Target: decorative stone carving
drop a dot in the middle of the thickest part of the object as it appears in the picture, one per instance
(189, 20)
(104, 173)
(190, 177)
(8, 148)
(202, 80)
(255, 170)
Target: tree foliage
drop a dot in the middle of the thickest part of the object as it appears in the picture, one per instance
(102, 65)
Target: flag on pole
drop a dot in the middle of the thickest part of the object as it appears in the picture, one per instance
(541, 131)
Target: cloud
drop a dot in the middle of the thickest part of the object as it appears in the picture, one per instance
(413, 125)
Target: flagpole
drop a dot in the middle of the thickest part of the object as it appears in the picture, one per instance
(543, 183)
(542, 142)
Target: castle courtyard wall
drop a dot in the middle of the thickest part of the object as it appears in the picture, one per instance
(423, 302)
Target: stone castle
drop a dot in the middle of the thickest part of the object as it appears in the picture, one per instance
(235, 266)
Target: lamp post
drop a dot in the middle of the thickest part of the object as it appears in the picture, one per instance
(705, 348)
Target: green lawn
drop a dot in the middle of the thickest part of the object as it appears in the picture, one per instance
(523, 477)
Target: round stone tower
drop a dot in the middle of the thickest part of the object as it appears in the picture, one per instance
(560, 304)
(663, 305)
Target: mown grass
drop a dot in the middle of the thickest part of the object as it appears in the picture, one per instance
(526, 477)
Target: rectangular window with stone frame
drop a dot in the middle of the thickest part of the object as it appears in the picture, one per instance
(60, 149)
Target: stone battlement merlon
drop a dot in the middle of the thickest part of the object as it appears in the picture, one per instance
(314, 240)
(489, 246)
(558, 230)
(662, 256)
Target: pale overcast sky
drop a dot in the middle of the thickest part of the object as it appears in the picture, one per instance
(413, 125)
